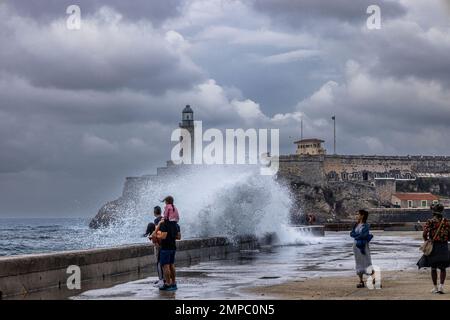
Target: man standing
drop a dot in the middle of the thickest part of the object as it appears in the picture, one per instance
(169, 233)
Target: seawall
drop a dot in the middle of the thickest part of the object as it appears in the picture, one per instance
(22, 275)
(400, 215)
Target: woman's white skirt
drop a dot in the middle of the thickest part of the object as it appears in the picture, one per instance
(363, 261)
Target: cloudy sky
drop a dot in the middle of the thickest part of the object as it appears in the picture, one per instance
(82, 109)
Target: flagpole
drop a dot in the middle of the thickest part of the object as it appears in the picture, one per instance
(334, 132)
(301, 129)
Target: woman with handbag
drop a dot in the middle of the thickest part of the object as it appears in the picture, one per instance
(435, 249)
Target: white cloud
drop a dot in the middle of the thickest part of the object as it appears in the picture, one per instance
(177, 41)
(255, 37)
(291, 56)
(248, 110)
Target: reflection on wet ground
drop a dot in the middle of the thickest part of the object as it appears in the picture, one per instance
(226, 279)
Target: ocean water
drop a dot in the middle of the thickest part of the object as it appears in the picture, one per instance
(27, 236)
(31, 236)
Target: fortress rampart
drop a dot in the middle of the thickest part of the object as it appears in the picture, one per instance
(326, 168)
(332, 185)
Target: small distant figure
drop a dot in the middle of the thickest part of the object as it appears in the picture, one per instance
(333, 214)
(311, 219)
(361, 233)
(418, 226)
(436, 232)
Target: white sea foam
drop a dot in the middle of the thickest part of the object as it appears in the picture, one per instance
(212, 201)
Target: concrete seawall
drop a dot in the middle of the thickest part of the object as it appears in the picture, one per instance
(21, 275)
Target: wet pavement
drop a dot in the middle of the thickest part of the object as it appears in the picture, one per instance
(227, 279)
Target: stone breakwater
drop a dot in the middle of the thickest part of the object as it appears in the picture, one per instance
(21, 275)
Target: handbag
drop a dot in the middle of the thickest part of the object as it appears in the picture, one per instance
(427, 246)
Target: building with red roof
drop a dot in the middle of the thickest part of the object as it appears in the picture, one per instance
(414, 200)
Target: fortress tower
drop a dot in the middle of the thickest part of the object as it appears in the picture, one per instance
(310, 147)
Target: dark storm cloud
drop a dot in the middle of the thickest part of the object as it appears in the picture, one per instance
(420, 54)
(106, 54)
(46, 10)
(447, 4)
(20, 98)
(412, 42)
(297, 12)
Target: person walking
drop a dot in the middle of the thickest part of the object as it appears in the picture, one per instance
(361, 235)
(436, 232)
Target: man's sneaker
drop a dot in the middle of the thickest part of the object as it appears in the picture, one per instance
(174, 286)
(435, 290)
(441, 289)
(166, 288)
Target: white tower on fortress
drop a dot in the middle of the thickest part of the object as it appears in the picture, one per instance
(187, 122)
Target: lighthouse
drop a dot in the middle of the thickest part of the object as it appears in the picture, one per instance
(187, 122)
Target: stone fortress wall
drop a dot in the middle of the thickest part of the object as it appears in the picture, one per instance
(379, 171)
(309, 169)
(334, 168)
(337, 185)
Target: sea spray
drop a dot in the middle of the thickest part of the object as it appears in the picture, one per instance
(213, 201)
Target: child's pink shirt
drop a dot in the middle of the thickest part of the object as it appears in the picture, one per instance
(171, 213)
